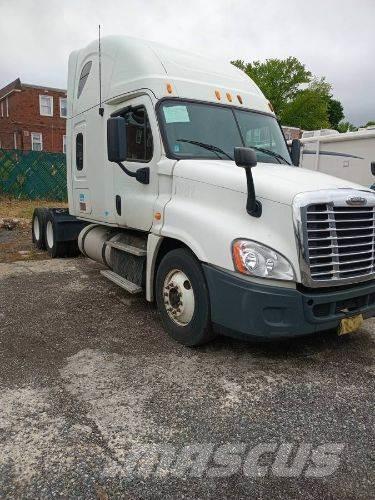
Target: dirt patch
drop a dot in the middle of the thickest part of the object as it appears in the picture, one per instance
(16, 244)
(23, 209)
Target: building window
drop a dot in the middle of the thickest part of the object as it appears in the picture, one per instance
(138, 135)
(2, 109)
(36, 141)
(7, 106)
(79, 151)
(15, 139)
(64, 144)
(63, 107)
(46, 105)
(84, 75)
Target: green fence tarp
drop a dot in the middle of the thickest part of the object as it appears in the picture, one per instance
(33, 174)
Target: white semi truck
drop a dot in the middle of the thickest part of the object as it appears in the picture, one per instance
(181, 184)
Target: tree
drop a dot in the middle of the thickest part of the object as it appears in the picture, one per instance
(309, 108)
(335, 112)
(308, 111)
(297, 97)
(279, 79)
(346, 127)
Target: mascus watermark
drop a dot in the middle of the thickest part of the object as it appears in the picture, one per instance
(199, 460)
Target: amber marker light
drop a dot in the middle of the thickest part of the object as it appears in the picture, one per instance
(218, 95)
(237, 257)
(239, 98)
(229, 96)
(169, 88)
(271, 107)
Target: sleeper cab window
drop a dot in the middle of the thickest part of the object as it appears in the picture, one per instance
(79, 151)
(138, 135)
(83, 77)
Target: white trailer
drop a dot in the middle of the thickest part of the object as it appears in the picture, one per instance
(179, 170)
(348, 156)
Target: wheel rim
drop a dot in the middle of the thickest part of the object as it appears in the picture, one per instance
(178, 296)
(36, 229)
(49, 234)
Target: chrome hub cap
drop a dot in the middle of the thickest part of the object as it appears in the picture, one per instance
(178, 297)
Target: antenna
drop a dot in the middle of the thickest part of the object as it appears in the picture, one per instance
(101, 109)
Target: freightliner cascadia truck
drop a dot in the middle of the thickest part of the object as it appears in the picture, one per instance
(181, 184)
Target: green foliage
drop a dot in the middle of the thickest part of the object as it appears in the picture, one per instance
(335, 112)
(308, 111)
(346, 127)
(369, 124)
(279, 79)
(299, 98)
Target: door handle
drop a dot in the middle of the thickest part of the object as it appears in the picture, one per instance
(118, 204)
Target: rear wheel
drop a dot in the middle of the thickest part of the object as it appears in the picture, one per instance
(182, 298)
(38, 227)
(54, 248)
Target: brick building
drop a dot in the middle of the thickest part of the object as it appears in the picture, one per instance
(291, 132)
(32, 117)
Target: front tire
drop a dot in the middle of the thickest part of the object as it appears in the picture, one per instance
(182, 298)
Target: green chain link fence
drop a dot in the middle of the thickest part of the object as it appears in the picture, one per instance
(33, 174)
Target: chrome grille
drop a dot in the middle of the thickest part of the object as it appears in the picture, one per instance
(339, 241)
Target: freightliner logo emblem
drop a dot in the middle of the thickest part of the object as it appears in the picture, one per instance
(356, 200)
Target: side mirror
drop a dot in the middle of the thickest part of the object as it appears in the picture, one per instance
(247, 159)
(116, 139)
(295, 152)
(373, 167)
(117, 148)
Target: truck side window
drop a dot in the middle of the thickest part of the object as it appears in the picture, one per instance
(138, 135)
(83, 78)
(79, 151)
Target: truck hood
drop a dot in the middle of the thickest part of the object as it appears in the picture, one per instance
(280, 183)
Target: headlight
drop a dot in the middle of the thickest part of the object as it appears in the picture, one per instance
(258, 260)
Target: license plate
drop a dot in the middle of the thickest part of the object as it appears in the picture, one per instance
(349, 325)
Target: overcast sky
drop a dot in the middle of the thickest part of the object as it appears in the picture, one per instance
(333, 38)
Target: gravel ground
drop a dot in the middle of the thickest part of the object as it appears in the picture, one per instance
(87, 375)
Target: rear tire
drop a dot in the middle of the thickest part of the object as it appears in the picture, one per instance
(38, 227)
(182, 298)
(54, 248)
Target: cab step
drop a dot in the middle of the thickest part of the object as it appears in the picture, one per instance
(139, 252)
(127, 285)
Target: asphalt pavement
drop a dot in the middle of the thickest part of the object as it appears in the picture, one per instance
(97, 402)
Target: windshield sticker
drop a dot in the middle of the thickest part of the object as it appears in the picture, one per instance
(176, 148)
(176, 114)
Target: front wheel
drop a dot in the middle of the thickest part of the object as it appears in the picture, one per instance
(182, 298)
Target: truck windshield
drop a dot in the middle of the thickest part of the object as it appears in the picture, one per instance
(202, 130)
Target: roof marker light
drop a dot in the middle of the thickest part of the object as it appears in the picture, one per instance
(218, 95)
(229, 96)
(239, 98)
(169, 88)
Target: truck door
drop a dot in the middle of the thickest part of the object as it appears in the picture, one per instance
(133, 201)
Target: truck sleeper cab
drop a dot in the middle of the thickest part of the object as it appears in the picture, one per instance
(185, 182)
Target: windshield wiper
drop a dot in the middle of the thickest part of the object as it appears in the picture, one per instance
(271, 153)
(210, 147)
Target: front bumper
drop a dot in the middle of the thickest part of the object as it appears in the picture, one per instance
(251, 309)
